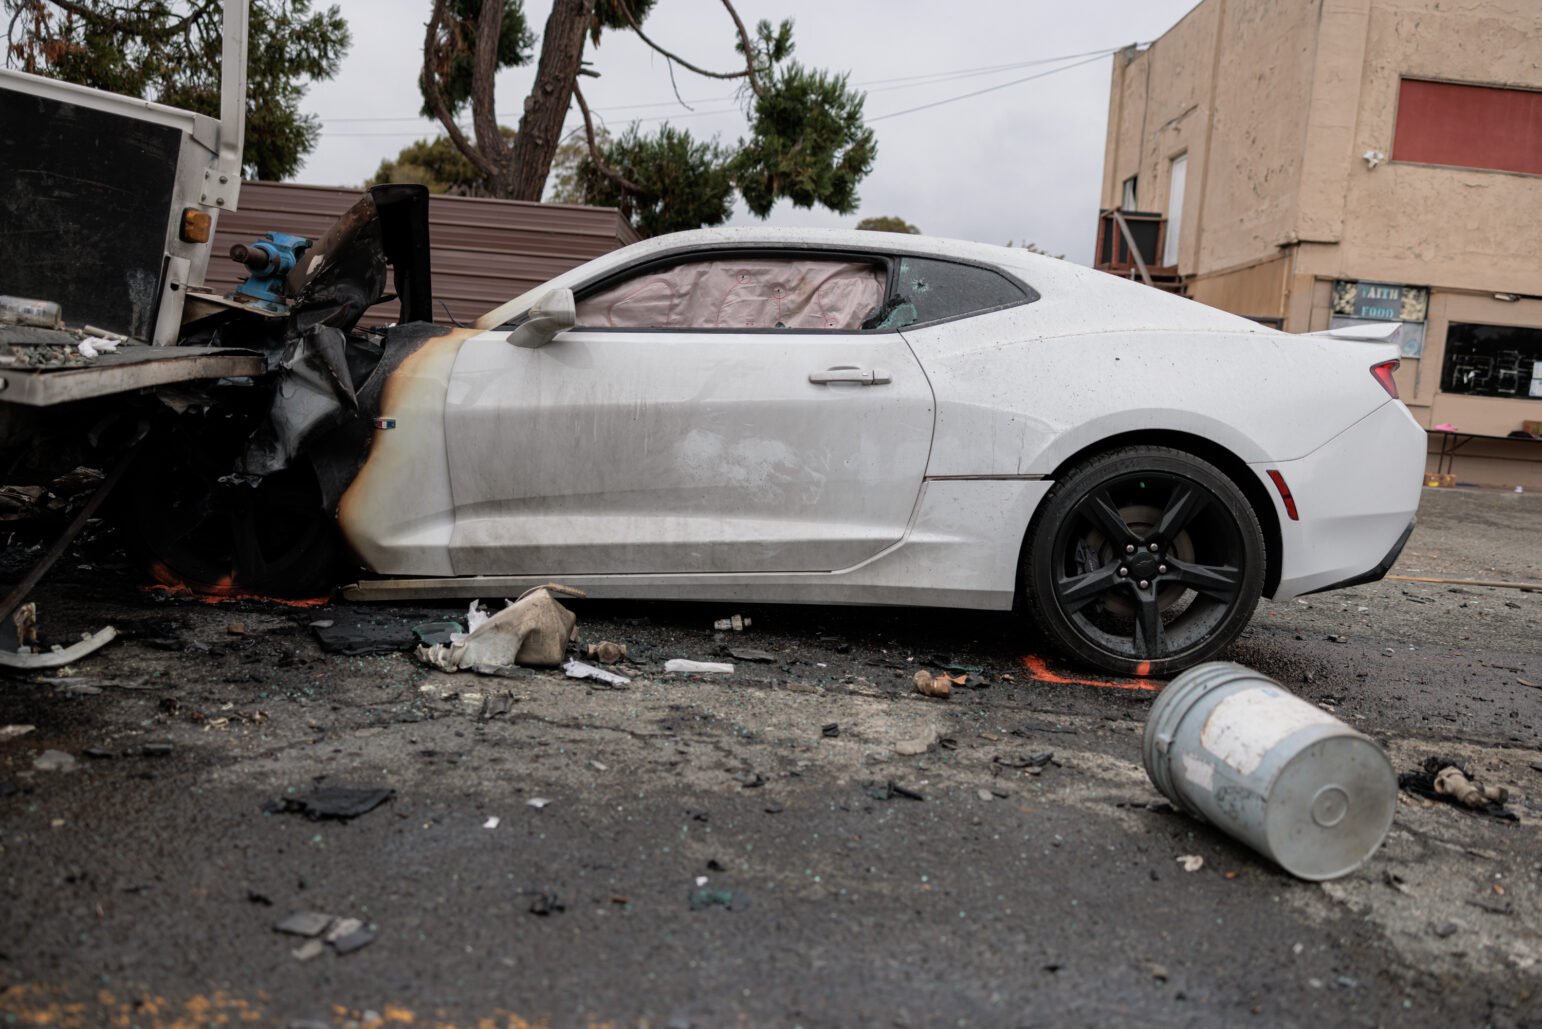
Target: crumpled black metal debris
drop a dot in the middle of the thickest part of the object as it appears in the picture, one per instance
(340, 803)
(359, 637)
(1421, 783)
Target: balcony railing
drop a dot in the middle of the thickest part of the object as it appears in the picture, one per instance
(1130, 245)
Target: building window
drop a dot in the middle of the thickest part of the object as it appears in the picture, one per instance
(1178, 170)
(1466, 126)
(1493, 360)
(1127, 198)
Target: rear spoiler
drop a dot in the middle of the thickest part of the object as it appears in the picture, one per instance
(1372, 332)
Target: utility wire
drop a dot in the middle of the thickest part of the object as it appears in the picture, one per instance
(988, 89)
(879, 86)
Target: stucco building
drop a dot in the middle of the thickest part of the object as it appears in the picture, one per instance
(1308, 162)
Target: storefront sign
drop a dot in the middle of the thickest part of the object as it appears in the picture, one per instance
(1356, 303)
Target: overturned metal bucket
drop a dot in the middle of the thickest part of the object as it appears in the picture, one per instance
(1234, 748)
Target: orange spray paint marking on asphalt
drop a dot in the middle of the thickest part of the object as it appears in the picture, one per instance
(1041, 673)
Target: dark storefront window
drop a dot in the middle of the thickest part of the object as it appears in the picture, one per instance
(1493, 361)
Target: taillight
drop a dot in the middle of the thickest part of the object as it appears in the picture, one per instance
(1290, 501)
(1383, 374)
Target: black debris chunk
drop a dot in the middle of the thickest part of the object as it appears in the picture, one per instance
(750, 780)
(547, 904)
(889, 790)
(746, 654)
(357, 637)
(332, 802)
(430, 633)
(831, 729)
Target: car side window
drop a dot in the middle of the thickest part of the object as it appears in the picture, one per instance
(750, 292)
(927, 290)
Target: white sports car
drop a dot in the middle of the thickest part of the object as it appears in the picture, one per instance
(868, 418)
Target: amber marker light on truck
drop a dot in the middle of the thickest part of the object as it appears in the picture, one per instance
(196, 226)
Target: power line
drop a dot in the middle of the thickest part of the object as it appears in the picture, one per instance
(877, 86)
(988, 89)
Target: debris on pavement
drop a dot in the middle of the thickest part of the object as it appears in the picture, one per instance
(1191, 862)
(533, 631)
(706, 897)
(344, 935)
(537, 802)
(430, 633)
(737, 623)
(891, 789)
(361, 636)
(546, 904)
(54, 761)
(1450, 781)
(680, 664)
(830, 730)
(939, 685)
(913, 748)
(492, 822)
(25, 620)
(10, 732)
(605, 652)
(754, 656)
(58, 657)
(338, 803)
(580, 670)
(303, 923)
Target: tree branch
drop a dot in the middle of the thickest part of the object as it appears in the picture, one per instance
(126, 22)
(749, 49)
(626, 9)
(594, 151)
(435, 96)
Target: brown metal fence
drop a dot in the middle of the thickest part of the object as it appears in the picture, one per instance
(483, 251)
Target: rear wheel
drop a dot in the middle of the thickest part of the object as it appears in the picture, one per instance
(1144, 561)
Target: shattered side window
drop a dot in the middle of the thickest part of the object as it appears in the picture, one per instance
(927, 290)
(759, 292)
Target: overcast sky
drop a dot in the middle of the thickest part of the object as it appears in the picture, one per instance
(1023, 162)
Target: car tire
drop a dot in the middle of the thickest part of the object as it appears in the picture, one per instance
(1143, 561)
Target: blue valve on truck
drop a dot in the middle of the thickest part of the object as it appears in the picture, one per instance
(269, 260)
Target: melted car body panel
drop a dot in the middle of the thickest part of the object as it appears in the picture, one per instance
(398, 514)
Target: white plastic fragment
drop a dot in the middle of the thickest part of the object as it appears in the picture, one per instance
(680, 664)
(491, 823)
(538, 802)
(59, 656)
(94, 345)
(1192, 862)
(10, 732)
(580, 670)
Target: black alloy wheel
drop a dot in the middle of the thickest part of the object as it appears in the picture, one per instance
(1144, 561)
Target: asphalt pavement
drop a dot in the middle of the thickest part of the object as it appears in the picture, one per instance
(804, 842)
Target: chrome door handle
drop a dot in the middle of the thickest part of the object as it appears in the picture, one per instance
(851, 373)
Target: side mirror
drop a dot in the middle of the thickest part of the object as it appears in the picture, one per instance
(551, 314)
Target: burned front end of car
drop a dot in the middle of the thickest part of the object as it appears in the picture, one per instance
(231, 480)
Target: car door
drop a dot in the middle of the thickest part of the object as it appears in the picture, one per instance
(723, 413)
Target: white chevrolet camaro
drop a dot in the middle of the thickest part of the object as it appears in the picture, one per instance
(804, 417)
(861, 418)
